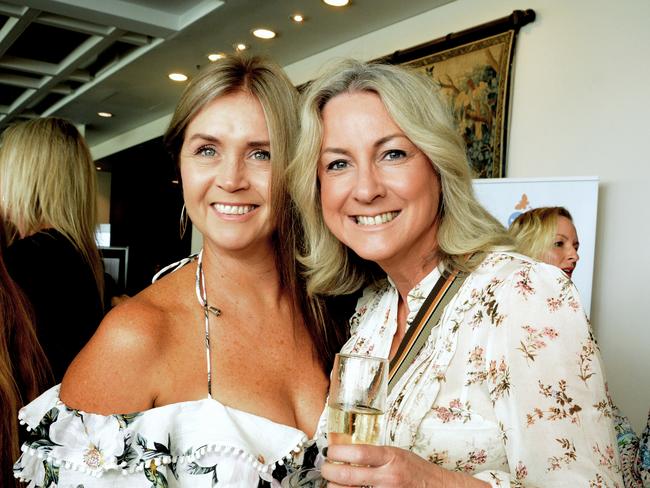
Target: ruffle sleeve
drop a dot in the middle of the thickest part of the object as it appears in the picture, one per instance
(195, 443)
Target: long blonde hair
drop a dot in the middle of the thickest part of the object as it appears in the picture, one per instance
(465, 227)
(279, 99)
(534, 231)
(48, 180)
(24, 369)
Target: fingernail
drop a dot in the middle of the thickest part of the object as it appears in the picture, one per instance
(325, 452)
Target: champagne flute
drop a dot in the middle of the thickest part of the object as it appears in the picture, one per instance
(357, 399)
(355, 408)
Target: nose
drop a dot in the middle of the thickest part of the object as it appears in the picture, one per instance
(232, 175)
(573, 255)
(369, 184)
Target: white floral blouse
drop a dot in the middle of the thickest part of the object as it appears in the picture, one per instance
(200, 443)
(509, 387)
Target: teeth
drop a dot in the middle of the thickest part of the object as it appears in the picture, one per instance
(233, 209)
(377, 219)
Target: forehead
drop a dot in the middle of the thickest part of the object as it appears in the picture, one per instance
(240, 111)
(565, 227)
(356, 102)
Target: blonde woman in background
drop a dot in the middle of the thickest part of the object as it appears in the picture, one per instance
(216, 374)
(48, 187)
(547, 234)
(508, 389)
(23, 367)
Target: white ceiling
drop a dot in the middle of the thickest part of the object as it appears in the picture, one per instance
(74, 58)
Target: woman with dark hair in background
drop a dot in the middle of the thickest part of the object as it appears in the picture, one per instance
(216, 374)
(23, 367)
(49, 206)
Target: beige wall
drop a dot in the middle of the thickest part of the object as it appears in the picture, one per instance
(580, 104)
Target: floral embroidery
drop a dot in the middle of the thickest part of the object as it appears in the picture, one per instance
(586, 356)
(607, 457)
(521, 471)
(534, 341)
(566, 407)
(499, 376)
(486, 298)
(565, 296)
(569, 455)
(599, 482)
(524, 283)
(474, 458)
(438, 457)
(476, 357)
(455, 411)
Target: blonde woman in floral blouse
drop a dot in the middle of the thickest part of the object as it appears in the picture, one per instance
(509, 388)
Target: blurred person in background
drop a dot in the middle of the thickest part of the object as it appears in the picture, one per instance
(49, 206)
(23, 367)
(547, 234)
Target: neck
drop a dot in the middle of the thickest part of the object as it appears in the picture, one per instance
(407, 275)
(242, 271)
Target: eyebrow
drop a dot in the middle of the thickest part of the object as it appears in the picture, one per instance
(565, 237)
(209, 138)
(378, 143)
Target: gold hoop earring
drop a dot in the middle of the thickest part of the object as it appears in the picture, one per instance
(183, 222)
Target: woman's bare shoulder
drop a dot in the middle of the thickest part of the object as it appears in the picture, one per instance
(122, 367)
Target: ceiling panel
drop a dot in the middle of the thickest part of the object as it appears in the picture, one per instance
(74, 58)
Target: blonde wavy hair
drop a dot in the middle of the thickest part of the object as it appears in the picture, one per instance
(534, 231)
(267, 82)
(465, 227)
(48, 180)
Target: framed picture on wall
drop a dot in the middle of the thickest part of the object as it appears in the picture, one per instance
(472, 69)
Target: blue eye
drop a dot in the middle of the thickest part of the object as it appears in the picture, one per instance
(261, 155)
(207, 151)
(394, 154)
(337, 165)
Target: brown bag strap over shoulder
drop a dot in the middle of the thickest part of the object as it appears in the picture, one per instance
(427, 317)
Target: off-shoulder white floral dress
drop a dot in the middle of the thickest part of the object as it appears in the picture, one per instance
(509, 387)
(200, 443)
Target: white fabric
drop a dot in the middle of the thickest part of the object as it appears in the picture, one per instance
(201, 440)
(509, 388)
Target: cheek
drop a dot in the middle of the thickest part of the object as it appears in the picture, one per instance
(554, 257)
(328, 197)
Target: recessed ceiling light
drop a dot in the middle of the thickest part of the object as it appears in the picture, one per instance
(177, 77)
(337, 3)
(241, 46)
(297, 18)
(216, 56)
(105, 114)
(264, 33)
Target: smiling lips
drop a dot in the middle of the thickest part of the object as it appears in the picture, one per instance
(234, 209)
(376, 219)
(568, 271)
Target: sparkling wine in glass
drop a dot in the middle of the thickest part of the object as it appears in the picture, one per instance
(357, 399)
